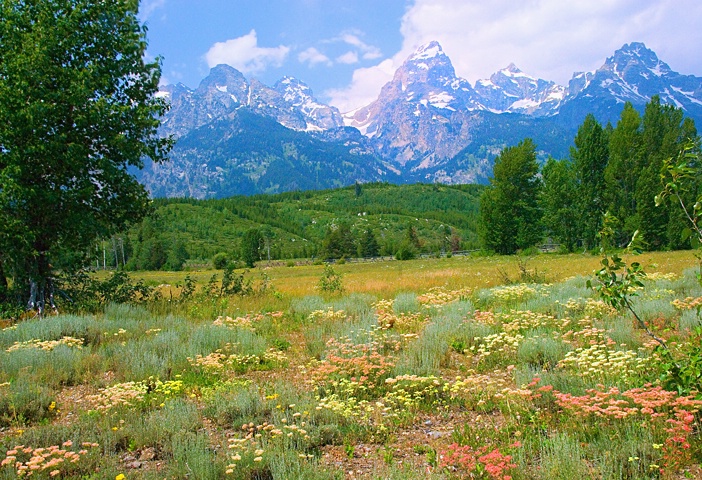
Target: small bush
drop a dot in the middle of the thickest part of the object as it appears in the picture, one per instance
(193, 457)
(25, 403)
(330, 281)
(406, 252)
(220, 261)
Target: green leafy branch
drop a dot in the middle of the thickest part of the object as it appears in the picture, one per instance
(681, 175)
(618, 281)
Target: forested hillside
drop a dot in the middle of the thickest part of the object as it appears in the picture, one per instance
(328, 223)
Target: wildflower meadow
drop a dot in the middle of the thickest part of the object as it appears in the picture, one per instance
(450, 374)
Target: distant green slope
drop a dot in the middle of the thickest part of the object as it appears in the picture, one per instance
(198, 229)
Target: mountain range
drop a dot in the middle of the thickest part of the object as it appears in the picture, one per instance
(239, 136)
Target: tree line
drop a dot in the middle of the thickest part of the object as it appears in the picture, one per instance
(610, 169)
(363, 220)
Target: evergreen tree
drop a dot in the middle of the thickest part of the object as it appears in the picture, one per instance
(664, 133)
(589, 157)
(412, 237)
(509, 213)
(149, 251)
(559, 203)
(368, 244)
(338, 242)
(347, 240)
(622, 173)
(251, 247)
(176, 256)
(357, 189)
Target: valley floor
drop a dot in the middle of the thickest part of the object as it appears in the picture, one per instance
(436, 368)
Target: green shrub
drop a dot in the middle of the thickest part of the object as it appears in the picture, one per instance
(406, 252)
(234, 406)
(194, 457)
(562, 457)
(25, 402)
(542, 351)
(330, 281)
(405, 302)
(220, 261)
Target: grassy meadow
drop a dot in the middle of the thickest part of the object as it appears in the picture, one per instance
(463, 367)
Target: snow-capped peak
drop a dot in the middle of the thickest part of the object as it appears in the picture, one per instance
(636, 55)
(430, 50)
(294, 91)
(512, 71)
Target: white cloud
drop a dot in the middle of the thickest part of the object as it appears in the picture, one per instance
(313, 57)
(364, 88)
(348, 58)
(244, 54)
(369, 51)
(550, 39)
(147, 7)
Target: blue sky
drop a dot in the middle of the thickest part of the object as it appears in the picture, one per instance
(345, 50)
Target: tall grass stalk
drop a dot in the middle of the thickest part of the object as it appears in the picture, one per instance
(429, 352)
(562, 458)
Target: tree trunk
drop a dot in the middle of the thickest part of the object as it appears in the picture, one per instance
(3, 285)
(41, 287)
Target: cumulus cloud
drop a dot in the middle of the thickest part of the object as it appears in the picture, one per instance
(244, 54)
(348, 58)
(313, 57)
(364, 87)
(369, 52)
(550, 39)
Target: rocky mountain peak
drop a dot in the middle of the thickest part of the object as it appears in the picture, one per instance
(225, 79)
(579, 82)
(297, 96)
(510, 70)
(636, 58)
(428, 63)
(424, 88)
(294, 91)
(512, 90)
(427, 51)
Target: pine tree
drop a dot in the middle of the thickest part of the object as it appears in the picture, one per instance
(338, 242)
(251, 247)
(622, 173)
(509, 211)
(590, 156)
(368, 245)
(559, 203)
(413, 238)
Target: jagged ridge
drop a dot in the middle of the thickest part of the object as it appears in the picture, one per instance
(427, 124)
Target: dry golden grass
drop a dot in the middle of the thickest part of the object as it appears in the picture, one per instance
(386, 279)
